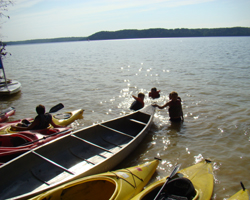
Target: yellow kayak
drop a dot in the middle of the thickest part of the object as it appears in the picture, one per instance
(120, 184)
(63, 119)
(67, 118)
(194, 182)
(243, 194)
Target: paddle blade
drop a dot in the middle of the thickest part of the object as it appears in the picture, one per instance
(56, 108)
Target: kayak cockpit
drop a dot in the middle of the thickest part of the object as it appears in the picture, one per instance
(97, 188)
(176, 189)
(13, 140)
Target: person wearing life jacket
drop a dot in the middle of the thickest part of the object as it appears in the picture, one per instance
(154, 94)
(42, 121)
(138, 103)
(175, 107)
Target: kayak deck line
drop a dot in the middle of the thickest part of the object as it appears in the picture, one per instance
(132, 174)
(81, 157)
(52, 162)
(116, 131)
(95, 145)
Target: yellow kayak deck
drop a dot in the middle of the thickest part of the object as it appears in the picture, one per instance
(243, 194)
(200, 175)
(117, 185)
(67, 118)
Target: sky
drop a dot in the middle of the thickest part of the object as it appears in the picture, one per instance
(41, 19)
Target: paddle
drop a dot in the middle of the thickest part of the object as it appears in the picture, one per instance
(176, 169)
(56, 108)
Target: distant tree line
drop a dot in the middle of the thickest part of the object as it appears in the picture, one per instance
(164, 33)
(147, 33)
(65, 39)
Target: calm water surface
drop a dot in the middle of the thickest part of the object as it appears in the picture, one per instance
(211, 76)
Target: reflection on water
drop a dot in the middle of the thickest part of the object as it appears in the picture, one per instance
(8, 100)
(11, 98)
(209, 74)
(175, 127)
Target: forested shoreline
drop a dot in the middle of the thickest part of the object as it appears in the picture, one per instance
(147, 33)
(52, 40)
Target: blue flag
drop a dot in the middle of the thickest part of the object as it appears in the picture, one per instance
(1, 64)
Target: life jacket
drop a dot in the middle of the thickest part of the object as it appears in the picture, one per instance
(44, 121)
(137, 105)
(154, 95)
(175, 109)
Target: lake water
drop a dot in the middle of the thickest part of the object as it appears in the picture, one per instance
(210, 74)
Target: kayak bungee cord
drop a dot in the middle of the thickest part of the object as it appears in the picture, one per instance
(118, 177)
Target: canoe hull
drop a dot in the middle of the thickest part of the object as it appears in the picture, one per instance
(88, 151)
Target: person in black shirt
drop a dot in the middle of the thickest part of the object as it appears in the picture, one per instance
(42, 121)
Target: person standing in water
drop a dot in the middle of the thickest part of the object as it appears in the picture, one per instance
(175, 107)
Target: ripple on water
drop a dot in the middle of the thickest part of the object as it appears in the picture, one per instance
(101, 76)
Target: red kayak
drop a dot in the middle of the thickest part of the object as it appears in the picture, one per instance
(4, 115)
(13, 145)
(5, 125)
